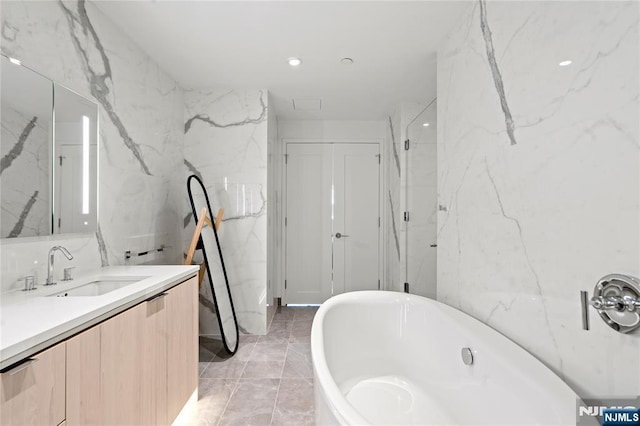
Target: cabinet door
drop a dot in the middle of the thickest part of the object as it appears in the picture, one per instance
(154, 365)
(33, 393)
(121, 341)
(104, 378)
(182, 341)
(84, 406)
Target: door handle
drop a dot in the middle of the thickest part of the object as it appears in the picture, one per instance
(339, 235)
(21, 366)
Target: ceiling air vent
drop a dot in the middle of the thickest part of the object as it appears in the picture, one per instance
(310, 104)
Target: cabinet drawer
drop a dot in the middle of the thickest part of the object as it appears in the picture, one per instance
(33, 393)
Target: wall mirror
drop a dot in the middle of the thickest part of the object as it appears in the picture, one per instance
(49, 156)
(216, 272)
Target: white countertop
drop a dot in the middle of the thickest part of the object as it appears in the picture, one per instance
(31, 321)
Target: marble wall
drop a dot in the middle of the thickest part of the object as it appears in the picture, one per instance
(141, 131)
(24, 173)
(538, 167)
(225, 143)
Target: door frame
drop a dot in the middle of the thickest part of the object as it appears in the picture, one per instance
(279, 290)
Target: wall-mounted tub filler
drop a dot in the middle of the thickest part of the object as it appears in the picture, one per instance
(616, 297)
(467, 356)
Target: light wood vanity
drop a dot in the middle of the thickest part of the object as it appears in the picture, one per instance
(139, 367)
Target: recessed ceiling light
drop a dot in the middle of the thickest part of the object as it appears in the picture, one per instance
(294, 62)
(564, 63)
(425, 124)
(346, 61)
(15, 61)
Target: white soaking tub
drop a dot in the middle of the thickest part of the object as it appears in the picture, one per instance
(393, 358)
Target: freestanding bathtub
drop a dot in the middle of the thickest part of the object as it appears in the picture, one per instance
(392, 358)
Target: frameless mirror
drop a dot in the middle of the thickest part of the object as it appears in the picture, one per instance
(214, 262)
(49, 161)
(25, 146)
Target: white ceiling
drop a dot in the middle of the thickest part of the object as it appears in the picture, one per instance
(239, 44)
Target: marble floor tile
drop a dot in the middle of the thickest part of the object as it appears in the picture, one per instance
(295, 404)
(213, 396)
(224, 369)
(251, 403)
(263, 370)
(293, 419)
(268, 381)
(284, 314)
(300, 332)
(201, 367)
(298, 361)
(269, 352)
(208, 348)
(279, 332)
(243, 353)
(305, 314)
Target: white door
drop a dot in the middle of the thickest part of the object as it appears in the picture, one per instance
(308, 223)
(356, 177)
(332, 220)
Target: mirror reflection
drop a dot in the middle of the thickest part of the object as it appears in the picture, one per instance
(75, 163)
(216, 272)
(25, 147)
(49, 160)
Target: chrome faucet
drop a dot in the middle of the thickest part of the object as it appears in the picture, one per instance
(51, 260)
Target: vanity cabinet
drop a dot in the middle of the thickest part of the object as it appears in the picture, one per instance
(139, 367)
(33, 392)
(182, 315)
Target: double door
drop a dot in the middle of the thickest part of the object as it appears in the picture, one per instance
(332, 220)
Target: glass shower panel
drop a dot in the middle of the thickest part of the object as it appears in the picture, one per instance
(421, 203)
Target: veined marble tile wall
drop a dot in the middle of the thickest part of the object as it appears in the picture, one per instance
(538, 166)
(25, 174)
(141, 110)
(226, 145)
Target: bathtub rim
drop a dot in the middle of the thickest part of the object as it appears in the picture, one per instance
(345, 413)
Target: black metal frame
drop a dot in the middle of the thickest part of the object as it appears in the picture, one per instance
(229, 350)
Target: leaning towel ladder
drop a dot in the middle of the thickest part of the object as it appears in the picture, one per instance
(204, 220)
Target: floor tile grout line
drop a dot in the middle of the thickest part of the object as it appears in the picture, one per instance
(275, 401)
(228, 400)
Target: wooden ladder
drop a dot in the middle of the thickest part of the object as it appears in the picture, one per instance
(202, 222)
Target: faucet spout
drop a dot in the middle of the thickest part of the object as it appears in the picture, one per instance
(51, 259)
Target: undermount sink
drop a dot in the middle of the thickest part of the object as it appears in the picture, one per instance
(98, 287)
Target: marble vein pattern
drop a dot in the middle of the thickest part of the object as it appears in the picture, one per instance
(98, 73)
(25, 174)
(396, 157)
(14, 152)
(102, 248)
(523, 228)
(211, 122)
(495, 71)
(17, 229)
(226, 144)
(141, 109)
(393, 226)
